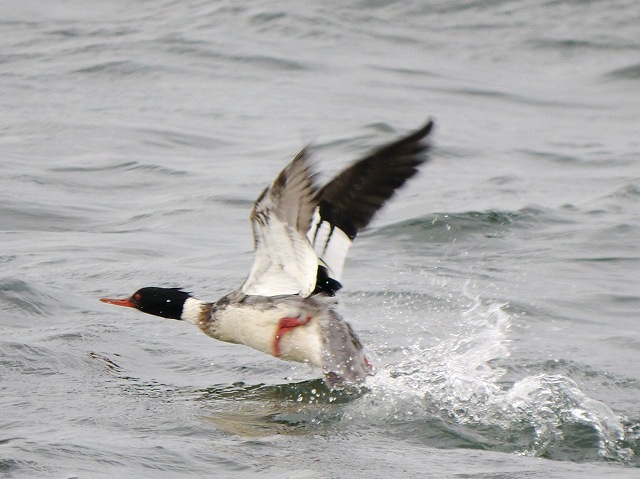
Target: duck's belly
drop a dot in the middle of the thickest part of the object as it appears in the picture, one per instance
(303, 344)
(283, 332)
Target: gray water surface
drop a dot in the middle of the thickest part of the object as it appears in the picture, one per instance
(498, 294)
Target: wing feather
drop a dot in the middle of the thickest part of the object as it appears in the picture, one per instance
(285, 262)
(302, 235)
(349, 201)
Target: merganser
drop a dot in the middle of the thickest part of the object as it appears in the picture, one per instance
(302, 234)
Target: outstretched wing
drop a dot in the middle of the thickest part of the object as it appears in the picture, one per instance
(285, 262)
(349, 201)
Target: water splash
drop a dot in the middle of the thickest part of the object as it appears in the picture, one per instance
(461, 379)
(549, 402)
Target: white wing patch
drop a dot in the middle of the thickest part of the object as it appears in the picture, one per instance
(285, 262)
(330, 243)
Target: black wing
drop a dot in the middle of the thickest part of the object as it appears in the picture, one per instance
(349, 201)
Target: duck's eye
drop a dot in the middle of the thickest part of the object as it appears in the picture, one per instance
(137, 297)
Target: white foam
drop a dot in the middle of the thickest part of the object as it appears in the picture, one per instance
(461, 377)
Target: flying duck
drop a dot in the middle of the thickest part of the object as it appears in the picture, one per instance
(302, 233)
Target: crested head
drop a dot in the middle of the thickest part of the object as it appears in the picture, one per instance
(165, 302)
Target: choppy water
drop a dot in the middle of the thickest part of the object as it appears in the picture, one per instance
(499, 294)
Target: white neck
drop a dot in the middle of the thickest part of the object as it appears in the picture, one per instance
(192, 310)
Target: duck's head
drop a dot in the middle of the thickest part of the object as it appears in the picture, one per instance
(164, 302)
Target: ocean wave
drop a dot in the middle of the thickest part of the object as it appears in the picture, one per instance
(631, 72)
(444, 227)
(28, 299)
(459, 385)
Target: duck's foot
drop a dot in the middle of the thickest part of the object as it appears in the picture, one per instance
(286, 324)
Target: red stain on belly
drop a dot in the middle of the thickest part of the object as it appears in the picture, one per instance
(286, 324)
